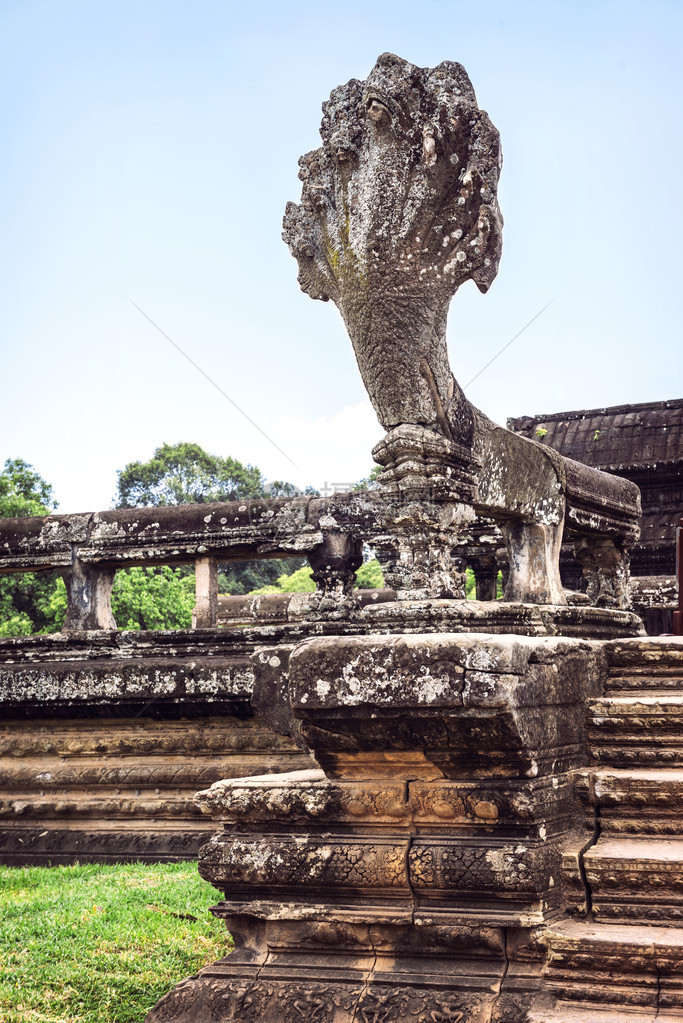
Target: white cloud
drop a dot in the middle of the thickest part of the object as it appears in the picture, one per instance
(333, 451)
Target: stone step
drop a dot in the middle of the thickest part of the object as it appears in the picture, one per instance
(646, 654)
(636, 801)
(636, 730)
(649, 666)
(648, 683)
(563, 1013)
(636, 879)
(608, 973)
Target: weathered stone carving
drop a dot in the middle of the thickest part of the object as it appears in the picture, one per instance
(469, 824)
(412, 879)
(398, 209)
(400, 873)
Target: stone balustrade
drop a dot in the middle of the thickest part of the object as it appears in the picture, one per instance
(88, 548)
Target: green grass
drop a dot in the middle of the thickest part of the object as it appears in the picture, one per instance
(101, 943)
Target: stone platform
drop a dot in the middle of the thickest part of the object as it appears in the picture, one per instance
(106, 737)
(97, 726)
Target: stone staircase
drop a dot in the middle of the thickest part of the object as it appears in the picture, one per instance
(620, 958)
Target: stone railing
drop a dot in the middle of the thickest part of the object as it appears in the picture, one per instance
(88, 548)
(330, 532)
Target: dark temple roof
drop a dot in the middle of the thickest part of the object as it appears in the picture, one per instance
(621, 437)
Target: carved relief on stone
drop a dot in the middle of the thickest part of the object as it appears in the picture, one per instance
(325, 862)
(526, 804)
(441, 864)
(297, 1003)
(303, 796)
(417, 548)
(451, 804)
(605, 566)
(385, 1005)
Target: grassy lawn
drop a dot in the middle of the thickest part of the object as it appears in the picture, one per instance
(101, 944)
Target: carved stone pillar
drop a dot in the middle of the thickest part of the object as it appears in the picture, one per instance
(427, 484)
(605, 565)
(417, 556)
(334, 564)
(205, 613)
(485, 577)
(534, 562)
(88, 597)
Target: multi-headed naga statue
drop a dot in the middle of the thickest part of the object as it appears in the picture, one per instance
(398, 209)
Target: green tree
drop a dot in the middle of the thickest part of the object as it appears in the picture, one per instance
(141, 598)
(186, 474)
(25, 598)
(299, 581)
(279, 488)
(153, 598)
(240, 577)
(369, 482)
(23, 491)
(368, 577)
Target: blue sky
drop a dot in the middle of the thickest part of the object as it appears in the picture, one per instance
(148, 150)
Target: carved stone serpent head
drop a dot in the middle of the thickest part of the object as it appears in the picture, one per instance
(398, 208)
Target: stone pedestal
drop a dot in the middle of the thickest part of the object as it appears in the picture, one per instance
(407, 877)
(428, 486)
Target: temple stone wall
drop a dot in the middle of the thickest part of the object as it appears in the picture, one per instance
(421, 807)
(105, 738)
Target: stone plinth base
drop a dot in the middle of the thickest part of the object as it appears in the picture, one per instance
(502, 618)
(335, 972)
(408, 877)
(491, 836)
(290, 616)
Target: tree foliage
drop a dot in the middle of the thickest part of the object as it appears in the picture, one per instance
(368, 577)
(240, 577)
(186, 474)
(23, 491)
(153, 598)
(141, 598)
(368, 482)
(25, 598)
(299, 581)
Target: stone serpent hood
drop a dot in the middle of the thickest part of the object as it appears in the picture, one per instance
(398, 209)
